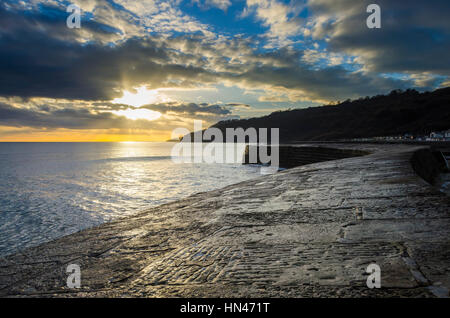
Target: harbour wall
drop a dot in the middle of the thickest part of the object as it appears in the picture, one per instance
(292, 156)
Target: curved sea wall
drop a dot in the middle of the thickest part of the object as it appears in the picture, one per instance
(428, 164)
(294, 156)
(309, 231)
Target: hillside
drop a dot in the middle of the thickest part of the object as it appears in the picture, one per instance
(383, 115)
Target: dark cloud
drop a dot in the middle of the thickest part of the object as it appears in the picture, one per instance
(171, 107)
(414, 36)
(328, 83)
(100, 115)
(63, 118)
(41, 57)
(188, 108)
(36, 63)
(238, 105)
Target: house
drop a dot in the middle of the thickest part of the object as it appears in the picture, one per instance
(436, 135)
(447, 134)
(408, 136)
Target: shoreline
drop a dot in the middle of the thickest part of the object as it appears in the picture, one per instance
(56, 190)
(305, 231)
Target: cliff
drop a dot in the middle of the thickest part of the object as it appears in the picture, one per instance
(385, 115)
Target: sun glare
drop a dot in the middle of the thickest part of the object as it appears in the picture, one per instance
(140, 113)
(142, 97)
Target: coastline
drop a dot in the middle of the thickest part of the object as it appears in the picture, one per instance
(307, 231)
(52, 190)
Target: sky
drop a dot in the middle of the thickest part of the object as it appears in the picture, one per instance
(137, 70)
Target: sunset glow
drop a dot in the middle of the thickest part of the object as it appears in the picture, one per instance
(141, 97)
(139, 113)
(159, 65)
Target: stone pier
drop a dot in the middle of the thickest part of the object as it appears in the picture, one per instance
(309, 231)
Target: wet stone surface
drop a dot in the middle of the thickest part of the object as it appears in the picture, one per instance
(309, 231)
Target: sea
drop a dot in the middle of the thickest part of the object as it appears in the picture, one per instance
(48, 190)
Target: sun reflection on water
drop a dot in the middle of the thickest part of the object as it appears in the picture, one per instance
(50, 190)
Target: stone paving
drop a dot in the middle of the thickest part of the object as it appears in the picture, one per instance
(309, 231)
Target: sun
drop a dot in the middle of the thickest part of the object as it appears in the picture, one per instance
(142, 97)
(140, 113)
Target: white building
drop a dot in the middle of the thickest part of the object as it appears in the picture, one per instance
(447, 134)
(436, 135)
